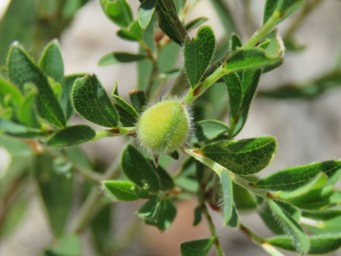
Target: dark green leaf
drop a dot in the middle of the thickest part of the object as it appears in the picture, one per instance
(235, 90)
(323, 222)
(243, 157)
(226, 184)
(243, 199)
(133, 33)
(118, 11)
(195, 23)
(65, 99)
(145, 12)
(92, 102)
(315, 183)
(22, 70)
(169, 21)
(198, 54)
(197, 215)
(252, 58)
(51, 62)
(128, 114)
(121, 190)
(234, 43)
(138, 100)
(209, 130)
(70, 136)
(158, 212)
(166, 181)
(269, 219)
(320, 244)
(119, 57)
(197, 247)
(56, 192)
(290, 226)
(295, 177)
(280, 9)
(138, 169)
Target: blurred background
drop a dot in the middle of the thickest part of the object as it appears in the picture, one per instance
(307, 130)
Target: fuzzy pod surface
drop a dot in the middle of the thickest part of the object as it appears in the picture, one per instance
(164, 127)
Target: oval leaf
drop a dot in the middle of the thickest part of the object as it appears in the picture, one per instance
(243, 157)
(121, 190)
(197, 247)
(198, 54)
(145, 12)
(22, 70)
(119, 57)
(92, 102)
(71, 136)
(138, 169)
(290, 226)
(295, 177)
(227, 187)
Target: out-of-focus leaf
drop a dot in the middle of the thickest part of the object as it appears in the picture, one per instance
(121, 190)
(92, 102)
(132, 33)
(158, 212)
(243, 157)
(198, 54)
(295, 177)
(280, 9)
(51, 62)
(14, 216)
(197, 247)
(138, 100)
(70, 136)
(225, 16)
(11, 93)
(118, 11)
(27, 114)
(195, 23)
(309, 90)
(300, 239)
(56, 192)
(145, 12)
(22, 70)
(138, 169)
(119, 57)
(169, 21)
(67, 245)
(19, 130)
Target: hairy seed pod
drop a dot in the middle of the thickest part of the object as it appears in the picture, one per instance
(164, 127)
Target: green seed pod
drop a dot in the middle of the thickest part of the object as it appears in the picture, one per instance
(164, 127)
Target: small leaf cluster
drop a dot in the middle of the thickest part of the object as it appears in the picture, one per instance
(298, 204)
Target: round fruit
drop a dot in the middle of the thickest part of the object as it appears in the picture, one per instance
(164, 127)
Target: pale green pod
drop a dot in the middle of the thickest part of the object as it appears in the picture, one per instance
(164, 127)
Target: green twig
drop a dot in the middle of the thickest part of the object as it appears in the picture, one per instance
(213, 231)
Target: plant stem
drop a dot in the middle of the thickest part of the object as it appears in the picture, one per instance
(194, 92)
(94, 202)
(213, 231)
(263, 31)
